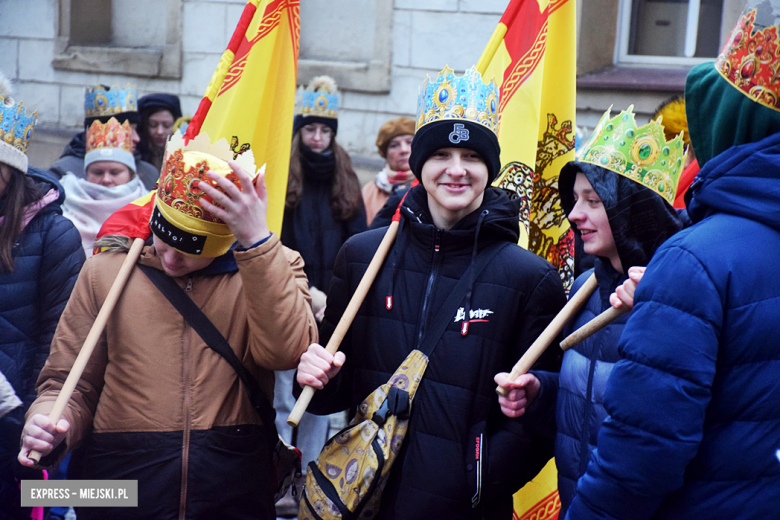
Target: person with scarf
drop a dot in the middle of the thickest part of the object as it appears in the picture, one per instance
(323, 209)
(622, 217)
(110, 181)
(159, 114)
(40, 259)
(445, 223)
(693, 425)
(101, 103)
(394, 143)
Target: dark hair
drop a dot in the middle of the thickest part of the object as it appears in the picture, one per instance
(345, 196)
(20, 191)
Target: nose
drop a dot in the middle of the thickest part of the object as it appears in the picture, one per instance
(577, 215)
(456, 167)
(406, 148)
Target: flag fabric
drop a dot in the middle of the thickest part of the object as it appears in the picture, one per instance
(532, 56)
(251, 96)
(249, 102)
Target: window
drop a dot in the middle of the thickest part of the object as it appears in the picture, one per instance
(674, 32)
(120, 37)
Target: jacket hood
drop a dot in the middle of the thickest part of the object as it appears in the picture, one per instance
(77, 147)
(743, 181)
(500, 223)
(639, 218)
(47, 181)
(721, 116)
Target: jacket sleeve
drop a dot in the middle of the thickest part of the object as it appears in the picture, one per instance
(336, 395)
(519, 448)
(657, 393)
(76, 321)
(61, 262)
(281, 324)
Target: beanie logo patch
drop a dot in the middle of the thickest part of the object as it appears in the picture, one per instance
(459, 133)
(179, 239)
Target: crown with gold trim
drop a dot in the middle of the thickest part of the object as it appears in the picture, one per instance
(320, 98)
(16, 129)
(111, 141)
(180, 221)
(451, 97)
(750, 59)
(640, 154)
(102, 101)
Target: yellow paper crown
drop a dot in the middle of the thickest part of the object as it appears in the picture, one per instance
(180, 220)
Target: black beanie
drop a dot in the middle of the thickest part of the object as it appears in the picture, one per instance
(455, 133)
(301, 120)
(156, 102)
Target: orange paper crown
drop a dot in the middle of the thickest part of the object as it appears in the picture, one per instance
(110, 135)
(750, 59)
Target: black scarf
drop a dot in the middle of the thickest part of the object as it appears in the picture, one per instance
(317, 166)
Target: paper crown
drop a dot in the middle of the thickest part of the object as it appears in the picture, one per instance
(320, 98)
(101, 101)
(640, 154)
(750, 59)
(178, 218)
(16, 129)
(449, 97)
(111, 141)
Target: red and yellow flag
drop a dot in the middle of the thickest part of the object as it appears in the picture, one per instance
(251, 96)
(532, 56)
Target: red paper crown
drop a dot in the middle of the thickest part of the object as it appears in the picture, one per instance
(750, 60)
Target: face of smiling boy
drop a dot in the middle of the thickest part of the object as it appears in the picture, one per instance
(455, 179)
(590, 217)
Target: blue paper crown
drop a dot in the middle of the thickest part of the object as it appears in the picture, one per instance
(16, 127)
(101, 102)
(319, 99)
(461, 98)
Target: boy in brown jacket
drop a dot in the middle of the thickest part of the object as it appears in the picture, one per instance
(155, 403)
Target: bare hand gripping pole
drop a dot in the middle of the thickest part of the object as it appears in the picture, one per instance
(349, 314)
(92, 338)
(551, 331)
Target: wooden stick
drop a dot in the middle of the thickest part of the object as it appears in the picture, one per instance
(346, 319)
(551, 331)
(92, 338)
(593, 326)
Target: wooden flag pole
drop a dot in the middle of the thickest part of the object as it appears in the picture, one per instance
(92, 338)
(349, 314)
(593, 326)
(551, 331)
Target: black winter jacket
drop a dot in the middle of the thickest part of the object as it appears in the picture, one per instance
(311, 229)
(48, 259)
(515, 297)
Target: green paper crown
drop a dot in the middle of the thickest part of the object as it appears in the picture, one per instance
(640, 154)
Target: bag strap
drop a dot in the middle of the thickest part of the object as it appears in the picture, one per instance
(453, 301)
(213, 338)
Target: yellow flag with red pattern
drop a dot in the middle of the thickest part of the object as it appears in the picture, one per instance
(251, 96)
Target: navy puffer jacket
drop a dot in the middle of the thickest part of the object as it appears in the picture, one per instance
(515, 297)
(640, 221)
(48, 260)
(694, 402)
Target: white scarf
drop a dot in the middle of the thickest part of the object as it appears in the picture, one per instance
(88, 205)
(387, 179)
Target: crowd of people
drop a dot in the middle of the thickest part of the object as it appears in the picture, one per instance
(671, 411)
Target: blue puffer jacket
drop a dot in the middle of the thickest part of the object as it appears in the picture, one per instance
(694, 403)
(32, 297)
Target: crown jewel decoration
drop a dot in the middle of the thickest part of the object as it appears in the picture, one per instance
(16, 127)
(750, 59)
(112, 134)
(640, 154)
(101, 101)
(186, 165)
(451, 97)
(320, 98)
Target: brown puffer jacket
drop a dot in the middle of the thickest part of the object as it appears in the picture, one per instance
(157, 405)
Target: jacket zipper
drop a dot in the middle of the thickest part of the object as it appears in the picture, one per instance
(185, 455)
(429, 285)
